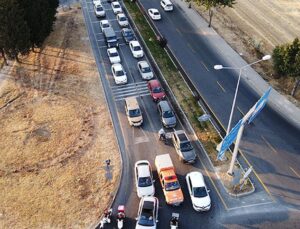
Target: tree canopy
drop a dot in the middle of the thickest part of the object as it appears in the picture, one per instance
(25, 24)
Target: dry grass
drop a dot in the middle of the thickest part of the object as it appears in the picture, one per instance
(55, 135)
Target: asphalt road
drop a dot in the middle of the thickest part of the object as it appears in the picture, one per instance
(271, 144)
(142, 143)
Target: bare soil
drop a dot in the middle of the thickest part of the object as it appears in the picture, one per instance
(254, 28)
(55, 135)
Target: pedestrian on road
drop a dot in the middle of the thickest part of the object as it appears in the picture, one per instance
(162, 134)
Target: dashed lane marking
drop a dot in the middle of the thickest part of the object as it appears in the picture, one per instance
(204, 65)
(240, 110)
(222, 88)
(295, 172)
(270, 146)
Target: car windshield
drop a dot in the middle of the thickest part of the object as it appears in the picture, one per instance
(168, 114)
(199, 192)
(117, 6)
(122, 18)
(156, 13)
(99, 8)
(120, 73)
(186, 146)
(146, 218)
(105, 25)
(113, 54)
(134, 113)
(157, 90)
(137, 48)
(144, 182)
(146, 69)
(171, 186)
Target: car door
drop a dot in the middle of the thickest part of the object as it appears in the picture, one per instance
(190, 186)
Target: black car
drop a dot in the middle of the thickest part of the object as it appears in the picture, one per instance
(128, 35)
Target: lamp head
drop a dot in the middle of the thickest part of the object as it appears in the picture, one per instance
(266, 57)
(218, 67)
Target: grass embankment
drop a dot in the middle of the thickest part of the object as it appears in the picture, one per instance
(205, 131)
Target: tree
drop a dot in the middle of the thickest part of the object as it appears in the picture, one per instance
(286, 61)
(210, 4)
(40, 16)
(14, 32)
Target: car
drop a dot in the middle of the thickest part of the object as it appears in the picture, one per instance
(99, 10)
(116, 7)
(144, 178)
(156, 91)
(133, 111)
(110, 37)
(166, 114)
(113, 56)
(122, 20)
(128, 35)
(110, 1)
(198, 191)
(136, 49)
(147, 217)
(154, 14)
(145, 70)
(104, 24)
(166, 5)
(97, 2)
(183, 147)
(119, 74)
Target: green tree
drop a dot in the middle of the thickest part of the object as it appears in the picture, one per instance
(286, 61)
(210, 4)
(40, 17)
(14, 32)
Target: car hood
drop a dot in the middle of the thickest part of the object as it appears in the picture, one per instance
(145, 191)
(148, 75)
(201, 202)
(144, 227)
(175, 196)
(158, 95)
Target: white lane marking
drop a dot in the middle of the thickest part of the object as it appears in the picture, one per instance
(270, 146)
(250, 205)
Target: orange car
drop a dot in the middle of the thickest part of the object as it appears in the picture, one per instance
(168, 179)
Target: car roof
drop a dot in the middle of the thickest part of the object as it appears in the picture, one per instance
(115, 3)
(143, 63)
(149, 199)
(154, 83)
(196, 179)
(154, 10)
(135, 43)
(104, 21)
(117, 67)
(143, 170)
(132, 103)
(121, 15)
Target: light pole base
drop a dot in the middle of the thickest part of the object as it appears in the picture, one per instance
(230, 174)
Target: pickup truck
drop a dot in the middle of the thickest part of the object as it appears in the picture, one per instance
(168, 180)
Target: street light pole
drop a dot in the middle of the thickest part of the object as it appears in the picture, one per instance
(220, 67)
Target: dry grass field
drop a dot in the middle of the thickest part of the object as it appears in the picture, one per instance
(55, 134)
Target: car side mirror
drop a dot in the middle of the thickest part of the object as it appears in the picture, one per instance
(208, 190)
(136, 218)
(157, 221)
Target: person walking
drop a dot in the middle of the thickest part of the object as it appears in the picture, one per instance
(162, 134)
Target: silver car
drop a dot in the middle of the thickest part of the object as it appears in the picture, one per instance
(167, 115)
(183, 147)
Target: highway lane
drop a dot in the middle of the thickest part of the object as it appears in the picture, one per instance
(141, 143)
(271, 144)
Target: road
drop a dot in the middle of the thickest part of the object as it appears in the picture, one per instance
(271, 144)
(142, 143)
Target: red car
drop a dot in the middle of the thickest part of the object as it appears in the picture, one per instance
(156, 91)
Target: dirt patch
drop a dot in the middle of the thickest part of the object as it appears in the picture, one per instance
(254, 28)
(55, 135)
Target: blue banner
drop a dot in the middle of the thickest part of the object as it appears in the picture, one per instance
(229, 139)
(260, 104)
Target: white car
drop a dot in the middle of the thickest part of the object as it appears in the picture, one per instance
(99, 10)
(119, 74)
(143, 178)
(147, 217)
(97, 2)
(116, 7)
(136, 49)
(154, 14)
(122, 20)
(113, 56)
(199, 193)
(104, 24)
(166, 5)
(145, 70)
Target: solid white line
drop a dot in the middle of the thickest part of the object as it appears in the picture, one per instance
(250, 205)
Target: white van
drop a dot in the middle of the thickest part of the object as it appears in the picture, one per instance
(166, 5)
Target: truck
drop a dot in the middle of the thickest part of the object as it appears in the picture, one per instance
(168, 180)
